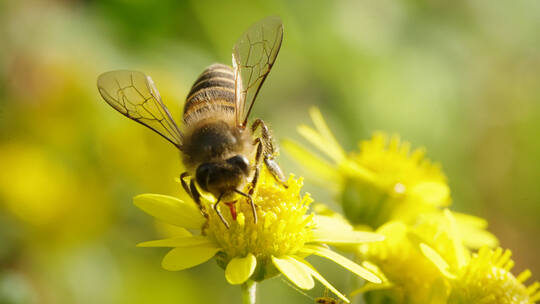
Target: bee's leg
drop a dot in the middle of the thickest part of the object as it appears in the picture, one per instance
(258, 161)
(276, 171)
(196, 197)
(184, 183)
(266, 137)
(269, 151)
(250, 199)
(219, 212)
(192, 191)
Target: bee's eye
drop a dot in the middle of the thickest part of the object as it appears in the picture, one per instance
(239, 161)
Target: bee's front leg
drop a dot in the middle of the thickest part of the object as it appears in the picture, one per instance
(185, 184)
(251, 203)
(218, 212)
(267, 151)
(192, 191)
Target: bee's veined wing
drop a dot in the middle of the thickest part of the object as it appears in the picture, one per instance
(134, 94)
(254, 55)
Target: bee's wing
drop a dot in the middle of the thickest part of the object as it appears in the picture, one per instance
(254, 55)
(134, 94)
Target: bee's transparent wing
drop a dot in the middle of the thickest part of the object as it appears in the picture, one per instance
(134, 94)
(254, 55)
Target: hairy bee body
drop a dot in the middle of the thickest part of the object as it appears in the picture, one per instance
(326, 300)
(220, 153)
(212, 135)
(211, 95)
(214, 139)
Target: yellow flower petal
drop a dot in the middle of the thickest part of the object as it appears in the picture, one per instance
(476, 238)
(461, 252)
(166, 230)
(371, 287)
(334, 236)
(240, 269)
(437, 260)
(470, 220)
(472, 231)
(321, 279)
(325, 132)
(386, 284)
(330, 222)
(343, 261)
(295, 271)
(187, 257)
(181, 241)
(334, 152)
(535, 296)
(320, 167)
(170, 210)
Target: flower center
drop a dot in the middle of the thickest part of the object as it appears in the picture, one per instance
(282, 225)
(488, 281)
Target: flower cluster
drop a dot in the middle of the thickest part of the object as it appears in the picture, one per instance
(428, 255)
(395, 220)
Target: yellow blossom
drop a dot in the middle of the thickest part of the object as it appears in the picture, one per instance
(417, 259)
(483, 277)
(384, 181)
(284, 234)
(487, 279)
(409, 274)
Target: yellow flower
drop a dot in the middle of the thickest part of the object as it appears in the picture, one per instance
(482, 277)
(487, 279)
(278, 242)
(384, 181)
(409, 274)
(409, 257)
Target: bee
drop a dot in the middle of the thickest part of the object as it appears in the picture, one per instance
(220, 152)
(327, 300)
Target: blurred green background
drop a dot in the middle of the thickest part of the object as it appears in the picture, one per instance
(461, 78)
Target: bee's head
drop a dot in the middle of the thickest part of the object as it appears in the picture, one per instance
(223, 176)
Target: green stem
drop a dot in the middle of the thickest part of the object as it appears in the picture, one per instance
(249, 292)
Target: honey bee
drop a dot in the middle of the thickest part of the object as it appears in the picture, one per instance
(327, 300)
(220, 153)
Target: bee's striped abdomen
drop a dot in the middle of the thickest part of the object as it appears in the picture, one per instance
(212, 92)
